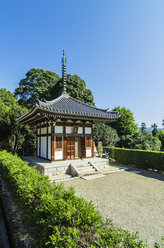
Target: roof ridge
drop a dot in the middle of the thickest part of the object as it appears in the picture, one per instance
(52, 101)
(42, 103)
(87, 104)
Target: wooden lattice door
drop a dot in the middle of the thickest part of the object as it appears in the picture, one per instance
(78, 147)
(70, 148)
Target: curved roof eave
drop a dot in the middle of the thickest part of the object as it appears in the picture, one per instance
(31, 111)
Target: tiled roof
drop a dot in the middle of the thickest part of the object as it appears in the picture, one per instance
(68, 105)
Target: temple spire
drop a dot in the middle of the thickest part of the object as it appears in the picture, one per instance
(63, 73)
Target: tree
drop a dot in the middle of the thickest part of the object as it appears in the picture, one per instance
(161, 138)
(163, 123)
(142, 141)
(9, 128)
(143, 127)
(126, 124)
(36, 85)
(40, 84)
(75, 87)
(155, 131)
(106, 134)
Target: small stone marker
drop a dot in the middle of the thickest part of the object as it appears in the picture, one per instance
(100, 147)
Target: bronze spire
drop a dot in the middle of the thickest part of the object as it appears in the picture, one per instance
(64, 73)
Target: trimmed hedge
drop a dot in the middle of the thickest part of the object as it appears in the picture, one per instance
(56, 216)
(137, 158)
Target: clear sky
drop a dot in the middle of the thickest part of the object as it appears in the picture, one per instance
(116, 46)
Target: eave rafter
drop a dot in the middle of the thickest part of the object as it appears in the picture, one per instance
(37, 114)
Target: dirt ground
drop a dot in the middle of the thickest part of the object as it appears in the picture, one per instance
(133, 201)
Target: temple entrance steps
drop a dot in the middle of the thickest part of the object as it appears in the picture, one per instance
(82, 169)
(88, 168)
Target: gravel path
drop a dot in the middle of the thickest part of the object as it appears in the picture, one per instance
(133, 201)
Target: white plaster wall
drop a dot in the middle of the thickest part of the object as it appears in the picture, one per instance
(80, 130)
(49, 129)
(88, 130)
(69, 129)
(89, 153)
(43, 147)
(58, 155)
(58, 129)
(43, 130)
(49, 147)
(38, 146)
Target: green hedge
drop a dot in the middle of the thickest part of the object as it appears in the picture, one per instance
(138, 158)
(56, 216)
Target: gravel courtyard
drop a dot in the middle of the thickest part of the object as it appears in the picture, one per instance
(133, 201)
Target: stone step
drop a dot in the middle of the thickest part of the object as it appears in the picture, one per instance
(86, 168)
(61, 179)
(87, 173)
(112, 171)
(80, 165)
(90, 177)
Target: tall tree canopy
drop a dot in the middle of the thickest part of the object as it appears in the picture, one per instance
(155, 131)
(9, 111)
(161, 138)
(75, 87)
(163, 123)
(143, 127)
(40, 84)
(126, 124)
(36, 85)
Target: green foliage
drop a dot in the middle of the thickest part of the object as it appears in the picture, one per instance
(10, 130)
(75, 87)
(155, 131)
(142, 141)
(163, 123)
(129, 135)
(123, 237)
(161, 138)
(126, 124)
(106, 134)
(138, 158)
(40, 84)
(161, 244)
(143, 127)
(9, 108)
(36, 85)
(56, 216)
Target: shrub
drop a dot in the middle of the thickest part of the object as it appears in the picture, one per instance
(138, 158)
(56, 216)
(106, 134)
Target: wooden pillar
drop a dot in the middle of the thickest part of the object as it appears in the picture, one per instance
(40, 142)
(93, 147)
(52, 143)
(64, 147)
(47, 144)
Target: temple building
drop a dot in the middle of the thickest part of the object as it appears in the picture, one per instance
(65, 125)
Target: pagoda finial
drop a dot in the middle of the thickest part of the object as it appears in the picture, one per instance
(64, 73)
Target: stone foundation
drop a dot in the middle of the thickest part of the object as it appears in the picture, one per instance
(63, 167)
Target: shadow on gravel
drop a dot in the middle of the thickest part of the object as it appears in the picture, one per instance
(145, 173)
(151, 174)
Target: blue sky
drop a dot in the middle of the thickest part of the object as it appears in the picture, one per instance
(117, 47)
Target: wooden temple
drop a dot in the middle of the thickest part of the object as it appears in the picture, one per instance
(65, 125)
